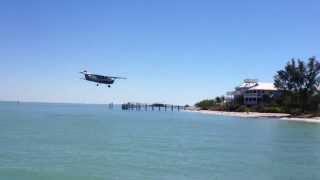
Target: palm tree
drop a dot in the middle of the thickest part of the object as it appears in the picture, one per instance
(299, 82)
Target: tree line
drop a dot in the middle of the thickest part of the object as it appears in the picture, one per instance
(298, 83)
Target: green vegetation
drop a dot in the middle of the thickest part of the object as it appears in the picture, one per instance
(299, 88)
(300, 85)
(209, 104)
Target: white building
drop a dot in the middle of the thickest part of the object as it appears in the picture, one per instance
(256, 94)
(252, 92)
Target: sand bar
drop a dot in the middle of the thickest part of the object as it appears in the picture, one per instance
(279, 116)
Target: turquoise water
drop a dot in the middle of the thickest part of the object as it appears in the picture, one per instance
(65, 141)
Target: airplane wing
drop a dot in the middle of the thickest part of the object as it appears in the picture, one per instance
(114, 77)
(85, 72)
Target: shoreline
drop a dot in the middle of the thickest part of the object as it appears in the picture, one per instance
(277, 116)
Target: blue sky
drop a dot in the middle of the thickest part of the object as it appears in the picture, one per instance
(172, 51)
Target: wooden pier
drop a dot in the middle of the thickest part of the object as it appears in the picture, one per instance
(151, 107)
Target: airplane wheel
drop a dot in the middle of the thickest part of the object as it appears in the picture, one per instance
(109, 86)
(97, 84)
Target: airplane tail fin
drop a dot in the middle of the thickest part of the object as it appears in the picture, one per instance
(84, 72)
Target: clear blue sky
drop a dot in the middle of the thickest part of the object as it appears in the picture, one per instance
(172, 51)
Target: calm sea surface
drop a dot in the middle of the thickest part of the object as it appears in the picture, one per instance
(91, 142)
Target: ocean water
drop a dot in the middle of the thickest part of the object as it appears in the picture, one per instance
(91, 142)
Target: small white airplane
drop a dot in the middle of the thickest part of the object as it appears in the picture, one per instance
(100, 79)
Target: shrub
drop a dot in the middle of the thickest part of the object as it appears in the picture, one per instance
(295, 111)
(242, 108)
(273, 110)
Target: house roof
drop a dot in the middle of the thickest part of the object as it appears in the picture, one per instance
(247, 85)
(264, 86)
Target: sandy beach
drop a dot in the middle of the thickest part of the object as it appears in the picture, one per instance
(279, 116)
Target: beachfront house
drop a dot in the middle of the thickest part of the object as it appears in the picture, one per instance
(252, 92)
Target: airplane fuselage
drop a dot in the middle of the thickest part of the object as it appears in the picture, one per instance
(99, 79)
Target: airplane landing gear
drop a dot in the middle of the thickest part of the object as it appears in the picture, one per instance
(109, 86)
(97, 84)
